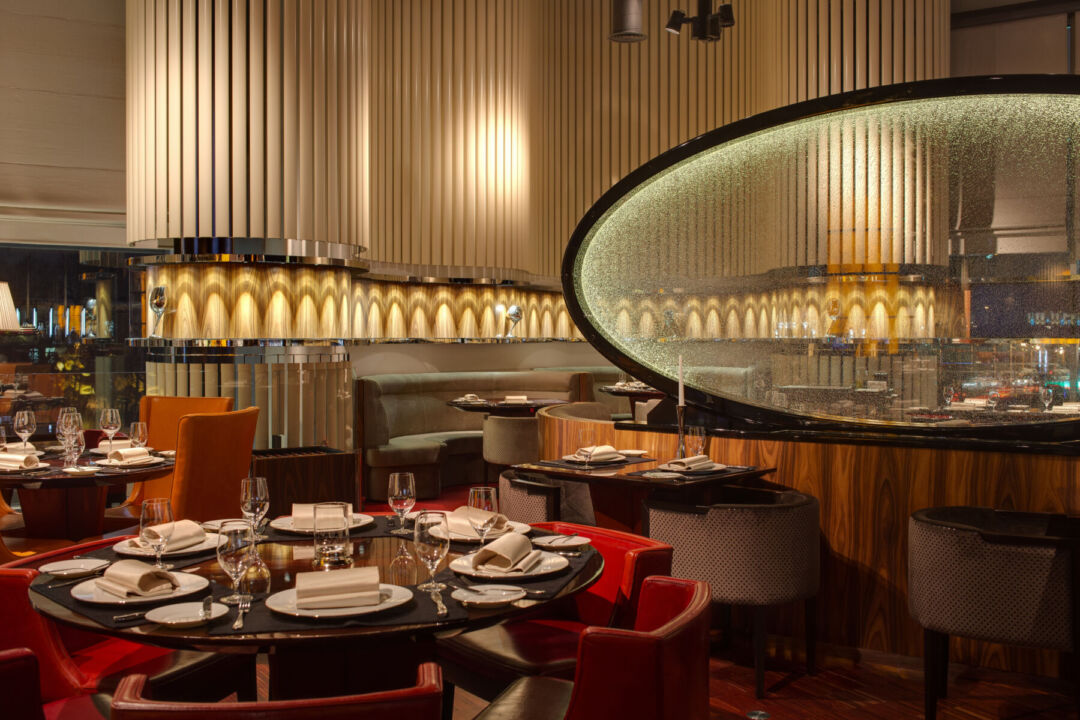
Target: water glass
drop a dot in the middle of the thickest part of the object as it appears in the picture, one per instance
(402, 569)
(139, 434)
(587, 439)
(431, 541)
(254, 502)
(401, 494)
(25, 425)
(109, 422)
(78, 447)
(332, 536)
(483, 498)
(234, 555)
(695, 440)
(1046, 394)
(157, 514)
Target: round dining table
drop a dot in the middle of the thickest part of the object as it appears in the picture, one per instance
(331, 656)
(525, 408)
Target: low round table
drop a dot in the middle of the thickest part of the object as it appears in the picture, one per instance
(505, 409)
(634, 394)
(320, 660)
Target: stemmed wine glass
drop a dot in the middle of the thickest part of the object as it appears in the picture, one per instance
(431, 541)
(401, 494)
(483, 498)
(25, 425)
(587, 439)
(68, 429)
(109, 422)
(254, 502)
(139, 434)
(234, 555)
(158, 300)
(695, 440)
(156, 527)
(947, 395)
(1046, 394)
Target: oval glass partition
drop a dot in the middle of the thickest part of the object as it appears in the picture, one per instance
(903, 256)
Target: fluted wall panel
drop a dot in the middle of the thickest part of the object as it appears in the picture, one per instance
(247, 119)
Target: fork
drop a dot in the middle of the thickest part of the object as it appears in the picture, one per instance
(242, 607)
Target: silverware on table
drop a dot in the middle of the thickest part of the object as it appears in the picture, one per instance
(242, 608)
(75, 581)
(466, 588)
(440, 606)
(129, 616)
(562, 538)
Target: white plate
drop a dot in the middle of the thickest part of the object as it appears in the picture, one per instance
(18, 451)
(53, 448)
(606, 461)
(124, 547)
(73, 568)
(167, 453)
(716, 467)
(80, 470)
(633, 453)
(104, 449)
(549, 563)
(40, 467)
(88, 591)
(284, 523)
(182, 615)
(518, 527)
(284, 602)
(145, 462)
(490, 595)
(663, 475)
(562, 542)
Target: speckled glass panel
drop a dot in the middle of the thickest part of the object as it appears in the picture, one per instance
(910, 262)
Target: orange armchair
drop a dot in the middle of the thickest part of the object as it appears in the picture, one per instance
(213, 452)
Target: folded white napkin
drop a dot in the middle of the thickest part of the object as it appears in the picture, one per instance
(621, 384)
(458, 521)
(510, 554)
(18, 461)
(127, 578)
(351, 587)
(117, 444)
(597, 453)
(697, 462)
(185, 534)
(469, 397)
(20, 447)
(303, 515)
(130, 456)
(516, 399)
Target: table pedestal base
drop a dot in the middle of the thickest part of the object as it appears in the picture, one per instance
(71, 513)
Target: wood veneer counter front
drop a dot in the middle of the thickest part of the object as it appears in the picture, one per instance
(867, 493)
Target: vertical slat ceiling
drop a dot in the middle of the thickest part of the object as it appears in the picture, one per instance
(243, 117)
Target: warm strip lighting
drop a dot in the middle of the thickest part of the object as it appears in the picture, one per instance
(8, 319)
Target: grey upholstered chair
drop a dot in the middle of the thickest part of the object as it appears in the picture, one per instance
(528, 501)
(998, 576)
(755, 548)
(511, 440)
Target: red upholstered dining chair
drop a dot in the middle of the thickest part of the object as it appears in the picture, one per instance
(658, 670)
(419, 702)
(485, 661)
(77, 662)
(162, 417)
(213, 452)
(22, 698)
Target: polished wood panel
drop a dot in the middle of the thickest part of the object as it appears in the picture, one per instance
(307, 476)
(867, 492)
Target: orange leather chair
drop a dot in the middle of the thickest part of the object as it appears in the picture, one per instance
(213, 452)
(162, 417)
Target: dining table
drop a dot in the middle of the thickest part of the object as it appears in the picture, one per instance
(503, 408)
(320, 656)
(634, 393)
(58, 505)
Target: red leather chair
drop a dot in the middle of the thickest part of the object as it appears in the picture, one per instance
(657, 671)
(419, 702)
(22, 699)
(77, 662)
(485, 661)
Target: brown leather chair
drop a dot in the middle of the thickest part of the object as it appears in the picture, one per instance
(999, 576)
(162, 415)
(659, 670)
(213, 453)
(419, 702)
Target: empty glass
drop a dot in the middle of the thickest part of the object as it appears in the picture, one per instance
(587, 439)
(401, 494)
(431, 541)
(483, 498)
(139, 434)
(109, 422)
(156, 526)
(158, 301)
(68, 428)
(1047, 396)
(25, 425)
(234, 555)
(254, 502)
(402, 569)
(695, 440)
(947, 395)
(332, 536)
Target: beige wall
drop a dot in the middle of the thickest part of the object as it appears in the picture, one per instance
(62, 121)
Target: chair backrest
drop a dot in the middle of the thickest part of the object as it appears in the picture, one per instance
(657, 671)
(527, 501)
(422, 701)
(511, 440)
(213, 452)
(162, 414)
(628, 560)
(19, 684)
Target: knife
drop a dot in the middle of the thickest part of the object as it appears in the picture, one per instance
(129, 616)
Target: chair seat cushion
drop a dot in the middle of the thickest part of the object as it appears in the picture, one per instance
(531, 698)
(527, 647)
(406, 450)
(81, 707)
(458, 442)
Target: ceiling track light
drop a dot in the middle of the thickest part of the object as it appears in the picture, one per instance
(707, 25)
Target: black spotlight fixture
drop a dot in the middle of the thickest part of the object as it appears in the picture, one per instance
(707, 25)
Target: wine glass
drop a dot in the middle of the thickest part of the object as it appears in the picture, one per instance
(139, 434)
(695, 440)
(431, 541)
(69, 429)
(587, 439)
(254, 502)
(483, 498)
(401, 494)
(109, 422)
(158, 300)
(234, 555)
(78, 446)
(25, 425)
(947, 395)
(156, 527)
(1046, 394)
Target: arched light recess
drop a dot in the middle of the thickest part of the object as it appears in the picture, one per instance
(841, 262)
